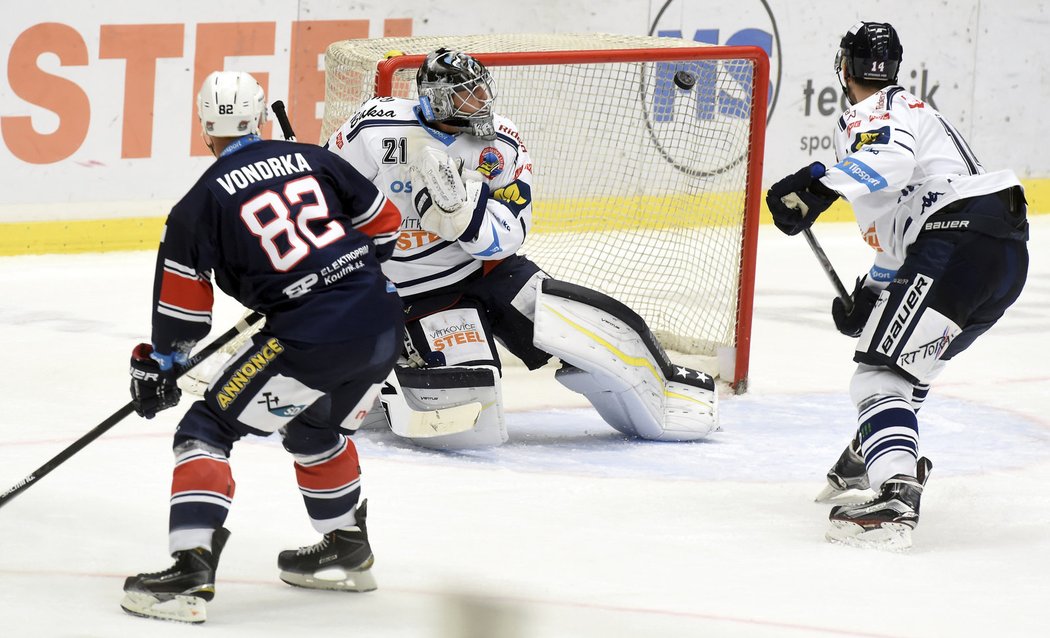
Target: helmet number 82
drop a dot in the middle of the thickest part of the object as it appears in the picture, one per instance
(294, 227)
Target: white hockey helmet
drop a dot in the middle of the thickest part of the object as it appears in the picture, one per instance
(231, 104)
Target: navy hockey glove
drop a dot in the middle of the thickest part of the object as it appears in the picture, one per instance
(851, 322)
(152, 381)
(799, 198)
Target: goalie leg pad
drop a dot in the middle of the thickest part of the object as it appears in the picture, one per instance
(452, 407)
(620, 367)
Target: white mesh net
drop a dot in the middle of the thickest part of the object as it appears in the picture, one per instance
(639, 184)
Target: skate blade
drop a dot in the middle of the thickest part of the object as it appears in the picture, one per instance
(188, 609)
(334, 578)
(834, 496)
(890, 537)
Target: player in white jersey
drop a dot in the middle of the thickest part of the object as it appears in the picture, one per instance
(950, 259)
(462, 177)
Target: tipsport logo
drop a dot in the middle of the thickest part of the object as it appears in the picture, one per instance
(862, 173)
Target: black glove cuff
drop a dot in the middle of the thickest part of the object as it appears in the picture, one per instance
(818, 188)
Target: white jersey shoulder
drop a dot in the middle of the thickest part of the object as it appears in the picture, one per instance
(899, 161)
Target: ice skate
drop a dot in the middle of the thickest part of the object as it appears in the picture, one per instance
(846, 476)
(341, 561)
(886, 521)
(179, 592)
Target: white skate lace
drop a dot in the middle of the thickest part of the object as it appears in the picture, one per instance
(313, 549)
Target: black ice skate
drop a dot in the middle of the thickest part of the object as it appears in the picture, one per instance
(846, 475)
(342, 560)
(886, 521)
(179, 592)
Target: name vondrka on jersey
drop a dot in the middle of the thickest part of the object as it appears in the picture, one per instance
(240, 178)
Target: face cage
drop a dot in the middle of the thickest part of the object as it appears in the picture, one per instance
(477, 122)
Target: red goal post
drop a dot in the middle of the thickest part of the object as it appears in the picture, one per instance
(647, 165)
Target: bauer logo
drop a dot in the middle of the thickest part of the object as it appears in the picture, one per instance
(905, 314)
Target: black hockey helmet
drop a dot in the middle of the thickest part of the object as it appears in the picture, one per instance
(457, 90)
(872, 52)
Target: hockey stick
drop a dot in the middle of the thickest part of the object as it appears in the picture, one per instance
(119, 415)
(281, 115)
(825, 263)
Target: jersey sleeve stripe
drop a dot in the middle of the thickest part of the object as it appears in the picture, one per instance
(176, 267)
(473, 264)
(384, 223)
(187, 293)
(178, 313)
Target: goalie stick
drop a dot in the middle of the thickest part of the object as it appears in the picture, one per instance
(118, 416)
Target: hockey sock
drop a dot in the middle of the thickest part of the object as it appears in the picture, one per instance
(889, 439)
(202, 488)
(918, 395)
(330, 483)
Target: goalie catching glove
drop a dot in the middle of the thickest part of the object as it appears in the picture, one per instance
(153, 378)
(447, 199)
(797, 200)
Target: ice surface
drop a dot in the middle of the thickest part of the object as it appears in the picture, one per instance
(569, 529)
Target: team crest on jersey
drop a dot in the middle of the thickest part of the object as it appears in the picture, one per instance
(864, 138)
(339, 139)
(490, 162)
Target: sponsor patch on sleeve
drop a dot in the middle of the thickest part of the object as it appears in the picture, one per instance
(862, 173)
(865, 138)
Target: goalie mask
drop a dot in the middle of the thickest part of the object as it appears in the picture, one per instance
(457, 90)
(872, 52)
(231, 104)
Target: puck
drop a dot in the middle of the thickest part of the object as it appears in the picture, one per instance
(684, 80)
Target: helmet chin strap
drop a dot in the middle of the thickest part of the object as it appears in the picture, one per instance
(841, 75)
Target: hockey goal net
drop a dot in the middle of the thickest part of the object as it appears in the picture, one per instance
(647, 156)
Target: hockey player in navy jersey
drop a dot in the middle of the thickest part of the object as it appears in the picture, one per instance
(297, 234)
(950, 259)
(462, 177)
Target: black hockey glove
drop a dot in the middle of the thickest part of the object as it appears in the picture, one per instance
(797, 200)
(851, 323)
(152, 389)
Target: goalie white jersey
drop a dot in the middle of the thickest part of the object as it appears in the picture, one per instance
(900, 161)
(380, 141)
